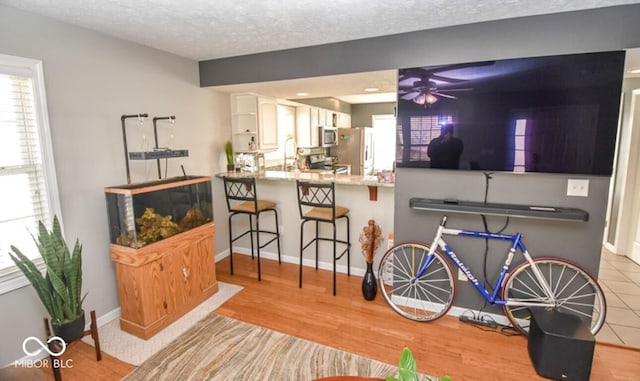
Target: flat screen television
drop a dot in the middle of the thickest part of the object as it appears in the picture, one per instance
(554, 114)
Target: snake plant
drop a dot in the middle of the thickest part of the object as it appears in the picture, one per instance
(60, 287)
(407, 369)
(228, 152)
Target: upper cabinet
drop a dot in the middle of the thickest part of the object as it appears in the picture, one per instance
(344, 120)
(254, 122)
(308, 119)
(307, 126)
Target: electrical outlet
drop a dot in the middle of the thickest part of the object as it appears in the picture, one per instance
(461, 276)
(578, 187)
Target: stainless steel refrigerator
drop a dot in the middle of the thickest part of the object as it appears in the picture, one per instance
(355, 148)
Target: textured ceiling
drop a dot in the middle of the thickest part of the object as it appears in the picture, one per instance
(207, 29)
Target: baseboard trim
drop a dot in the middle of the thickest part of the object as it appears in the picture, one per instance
(106, 318)
(340, 268)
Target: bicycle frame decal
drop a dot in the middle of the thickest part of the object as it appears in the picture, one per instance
(516, 244)
(467, 272)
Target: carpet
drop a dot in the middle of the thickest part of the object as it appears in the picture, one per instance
(135, 350)
(222, 348)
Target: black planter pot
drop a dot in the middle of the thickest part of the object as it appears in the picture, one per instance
(71, 331)
(369, 284)
(231, 167)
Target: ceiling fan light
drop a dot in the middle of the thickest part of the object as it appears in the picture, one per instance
(420, 99)
(430, 98)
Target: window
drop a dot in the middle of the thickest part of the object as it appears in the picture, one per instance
(422, 130)
(28, 190)
(519, 164)
(286, 134)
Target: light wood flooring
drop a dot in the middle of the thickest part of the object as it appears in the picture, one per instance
(370, 329)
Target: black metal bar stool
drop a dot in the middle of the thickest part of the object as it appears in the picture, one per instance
(241, 199)
(316, 202)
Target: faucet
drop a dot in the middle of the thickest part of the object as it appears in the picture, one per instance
(284, 161)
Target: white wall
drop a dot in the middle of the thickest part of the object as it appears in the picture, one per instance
(91, 80)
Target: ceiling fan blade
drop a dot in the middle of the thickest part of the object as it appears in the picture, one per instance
(410, 95)
(462, 89)
(443, 68)
(430, 72)
(443, 95)
(412, 88)
(446, 79)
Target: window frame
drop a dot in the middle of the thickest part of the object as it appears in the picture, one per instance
(13, 278)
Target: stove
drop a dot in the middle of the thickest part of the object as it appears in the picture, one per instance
(315, 161)
(318, 161)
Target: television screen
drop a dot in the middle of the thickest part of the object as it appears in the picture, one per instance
(555, 114)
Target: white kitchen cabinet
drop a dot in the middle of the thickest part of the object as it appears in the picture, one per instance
(324, 117)
(308, 119)
(344, 120)
(254, 118)
(307, 126)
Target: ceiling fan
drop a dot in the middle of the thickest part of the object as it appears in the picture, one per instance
(424, 90)
(428, 94)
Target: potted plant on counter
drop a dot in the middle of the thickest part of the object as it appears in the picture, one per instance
(228, 152)
(60, 288)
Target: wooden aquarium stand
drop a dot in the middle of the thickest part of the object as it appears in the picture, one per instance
(162, 281)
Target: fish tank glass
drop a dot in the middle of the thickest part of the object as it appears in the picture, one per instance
(143, 213)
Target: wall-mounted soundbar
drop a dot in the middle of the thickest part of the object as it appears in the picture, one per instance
(493, 209)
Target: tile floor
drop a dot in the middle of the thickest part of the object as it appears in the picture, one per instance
(620, 280)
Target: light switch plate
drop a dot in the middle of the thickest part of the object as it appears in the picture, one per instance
(578, 187)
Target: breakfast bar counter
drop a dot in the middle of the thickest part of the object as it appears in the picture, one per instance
(364, 196)
(372, 182)
(319, 176)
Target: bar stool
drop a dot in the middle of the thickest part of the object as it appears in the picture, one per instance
(316, 202)
(241, 198)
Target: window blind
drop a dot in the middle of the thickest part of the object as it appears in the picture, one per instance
(25, 194)
(423, 130)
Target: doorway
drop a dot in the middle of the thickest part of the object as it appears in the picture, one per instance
(384, 141)
(619, 273)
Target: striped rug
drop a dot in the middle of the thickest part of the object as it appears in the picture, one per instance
(221, 348)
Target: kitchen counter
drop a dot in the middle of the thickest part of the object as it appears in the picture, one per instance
(314, 175)
(352, 192)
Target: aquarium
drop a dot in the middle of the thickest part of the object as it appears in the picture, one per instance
(143, 213)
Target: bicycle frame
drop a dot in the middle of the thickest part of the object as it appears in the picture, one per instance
(516, 244)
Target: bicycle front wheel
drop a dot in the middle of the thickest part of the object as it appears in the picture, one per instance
(420, 297)
(574, 290)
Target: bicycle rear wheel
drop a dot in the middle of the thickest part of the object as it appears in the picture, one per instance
(421, 299)
(575, 291)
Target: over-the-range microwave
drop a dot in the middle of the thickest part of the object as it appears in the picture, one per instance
(328, 136)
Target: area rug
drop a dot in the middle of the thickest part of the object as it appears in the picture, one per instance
(135, 350)
(222, 348)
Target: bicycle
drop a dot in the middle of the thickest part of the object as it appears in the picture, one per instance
(417, 282)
